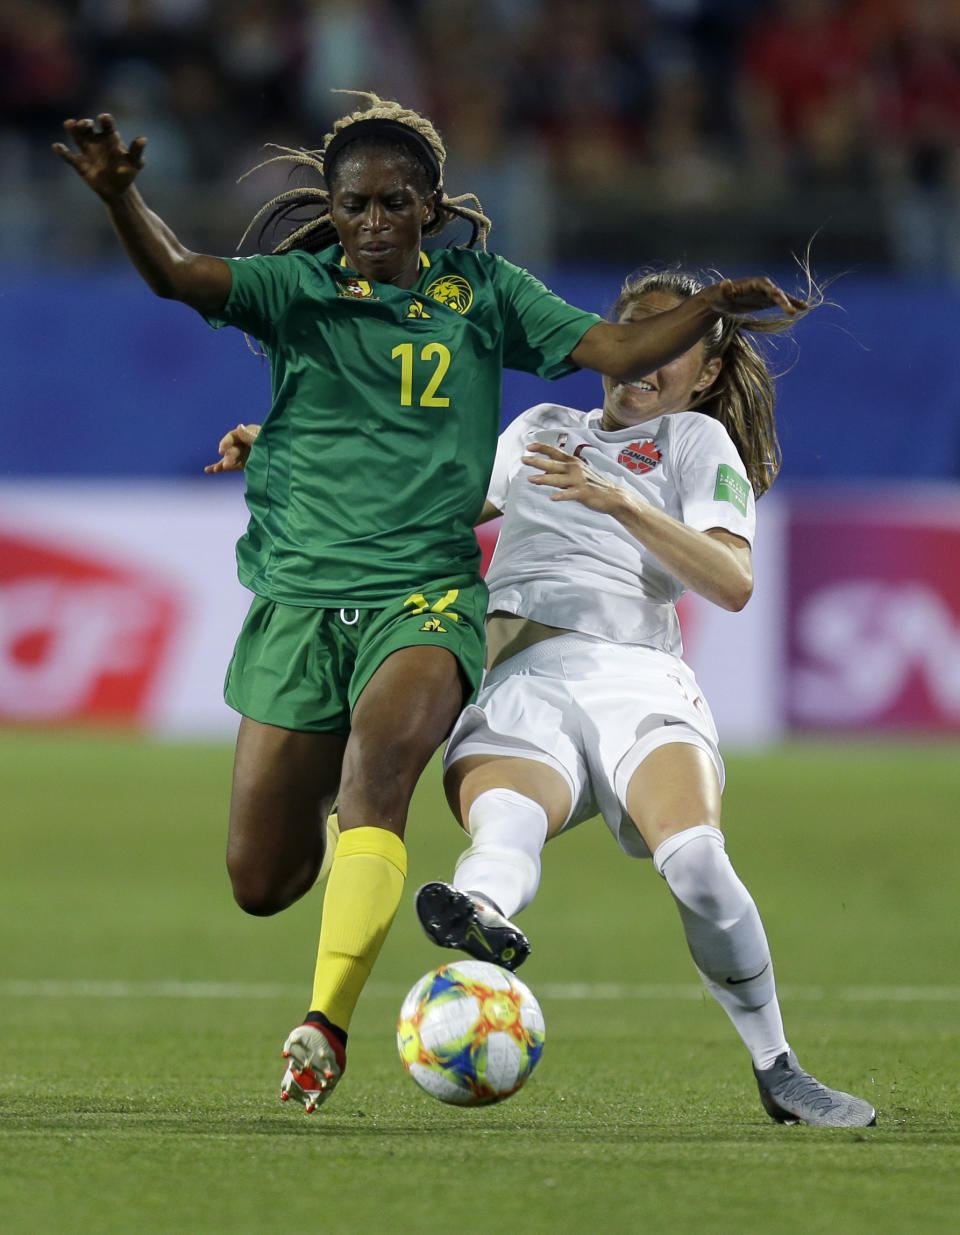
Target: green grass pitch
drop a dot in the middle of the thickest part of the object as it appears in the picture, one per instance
(142, 1018)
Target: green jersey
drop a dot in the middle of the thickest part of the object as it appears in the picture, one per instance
(372, 465)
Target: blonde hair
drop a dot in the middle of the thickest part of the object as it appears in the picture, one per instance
(742, 396)
(318, 231)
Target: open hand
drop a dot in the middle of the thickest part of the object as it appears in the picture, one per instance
(234, 449)
(102, 161)
(735, 296)
(574, 479)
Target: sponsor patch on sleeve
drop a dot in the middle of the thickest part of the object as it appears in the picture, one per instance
(731, 487)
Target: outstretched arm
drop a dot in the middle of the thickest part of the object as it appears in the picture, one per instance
(631, 350)
(109, 168)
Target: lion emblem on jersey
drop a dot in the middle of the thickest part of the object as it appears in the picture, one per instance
(453, 291)
(639, 457)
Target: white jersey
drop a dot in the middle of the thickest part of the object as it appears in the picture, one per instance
(565, 565)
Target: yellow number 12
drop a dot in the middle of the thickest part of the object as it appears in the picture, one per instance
(429, 351)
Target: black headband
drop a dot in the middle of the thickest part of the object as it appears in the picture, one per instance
(376, 127)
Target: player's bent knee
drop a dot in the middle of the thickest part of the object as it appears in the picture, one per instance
(259, 903)
(261, 897)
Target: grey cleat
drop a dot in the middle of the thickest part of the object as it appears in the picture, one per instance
(470, 922)
(792, 1096)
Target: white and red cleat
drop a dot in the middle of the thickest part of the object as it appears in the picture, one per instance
(316, 1062)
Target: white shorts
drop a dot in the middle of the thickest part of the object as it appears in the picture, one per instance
(593, 710)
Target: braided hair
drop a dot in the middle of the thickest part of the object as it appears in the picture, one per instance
(377, 123)
(742, 396)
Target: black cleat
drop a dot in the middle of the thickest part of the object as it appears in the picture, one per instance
(468, 921)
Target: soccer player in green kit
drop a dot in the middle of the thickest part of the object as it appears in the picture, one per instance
(365, 635)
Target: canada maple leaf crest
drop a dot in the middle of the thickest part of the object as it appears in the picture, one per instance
(639, 456)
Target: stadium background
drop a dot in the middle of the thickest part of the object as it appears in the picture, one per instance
(727, 134)
(140, 1012)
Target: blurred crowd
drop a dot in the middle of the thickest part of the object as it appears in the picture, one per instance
(577, 122)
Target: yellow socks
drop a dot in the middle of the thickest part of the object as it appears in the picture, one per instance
(363, 895)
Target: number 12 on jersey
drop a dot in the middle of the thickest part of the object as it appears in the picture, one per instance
(432, 357)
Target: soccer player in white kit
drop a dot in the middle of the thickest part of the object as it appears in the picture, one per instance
(587, 707)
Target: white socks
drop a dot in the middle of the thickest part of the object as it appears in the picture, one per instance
(723, 928)
(725, 936)
(507, 833)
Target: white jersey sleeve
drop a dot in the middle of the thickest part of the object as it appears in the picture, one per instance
(710, 476)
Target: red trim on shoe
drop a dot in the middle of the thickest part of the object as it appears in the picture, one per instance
(339, 1053)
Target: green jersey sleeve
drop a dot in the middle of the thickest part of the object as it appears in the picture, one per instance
(540, 329)
(261, 291)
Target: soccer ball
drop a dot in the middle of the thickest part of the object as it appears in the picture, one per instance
(470, 1033)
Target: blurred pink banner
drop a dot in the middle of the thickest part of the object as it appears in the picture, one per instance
(874, 612)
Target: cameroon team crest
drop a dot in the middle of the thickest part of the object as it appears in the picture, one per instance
(356, 289)
(453, 291)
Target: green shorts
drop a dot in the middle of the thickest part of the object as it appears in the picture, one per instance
(303, 668)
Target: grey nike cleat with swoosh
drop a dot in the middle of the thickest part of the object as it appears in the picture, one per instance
(472, 923)
(792, 1096)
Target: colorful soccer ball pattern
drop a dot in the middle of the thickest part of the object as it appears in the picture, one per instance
(470, 1033)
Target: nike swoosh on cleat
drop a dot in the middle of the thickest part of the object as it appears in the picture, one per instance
(740, 981)
(474, 932)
